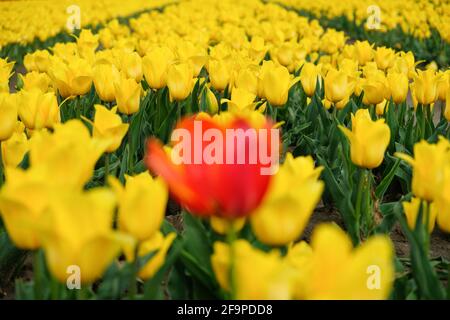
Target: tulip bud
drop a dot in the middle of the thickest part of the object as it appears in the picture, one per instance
(424, 86)
(398, 84)
(384, 57)
(219, 74)
(276, 85)
(105, 75)
(180, 81)
(308, 78)
(14, 149)
(128, 95)
(338, 86)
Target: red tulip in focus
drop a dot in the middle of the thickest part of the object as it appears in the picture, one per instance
(215, 168)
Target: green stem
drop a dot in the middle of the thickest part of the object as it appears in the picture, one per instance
(359, 197)
(106, 166)
(426, 233)
(132, 290)
(130, 151)
(37, 276)
(231, 238)
(422, 123)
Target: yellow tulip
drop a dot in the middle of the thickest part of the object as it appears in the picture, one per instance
(105, 75)
(159, 243)
(384, 57)
(155, 65)
(447, 106)
(68, 155)
(87, 40)
(131, 65)
(424, 87)
(368, 139)
(211, 101)
(142, 205)
(37, 61)
(108, 125)
(14, 149)
(276, 84)
(338, 86)
(259, 275)
(398, 84)
(428, 164)
(8, 115)
(411, 209)
(443, 84)
(35, 79)
(289, 203)
(382, 107)
(363, 52)
(219, 74)
(375, 91)
(240, 99)
(442, 202)
(247, 79)
(128, 95)
(223, 226)
(72, 78)
(76, 231)
(308, 77)
(38, 110)
(334, 270)
(23, 199)
(180, 81)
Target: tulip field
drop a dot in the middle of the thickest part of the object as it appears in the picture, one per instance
(233, 149)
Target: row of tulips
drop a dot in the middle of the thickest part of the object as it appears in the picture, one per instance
(418, 26)
(74, 151)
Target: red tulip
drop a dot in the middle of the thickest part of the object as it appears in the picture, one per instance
(216, 185)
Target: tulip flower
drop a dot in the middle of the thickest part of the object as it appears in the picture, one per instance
(159, 244)
(424, 87)
(214, 186)
(128, 95)
(443, 84)
(363, 52)
(108, 125)
(411, 210)
(69, 146)
(334, 270)
(276, 84)
(73, 78)
(39, 61)
(375, 91)
(447, 107)
(247, 79)
(240, 99)
(384, 57)
(398, 84)
(428, 164)
(250, 267)
(76, 231)
(131, 65)
(14, 149)
(142, 205)
(38, 110)
(368, 139)
(8, 115)
(442, 201)
(155, 65)
(180, 81)
(105, 76)
(211, 101)
(23, 199)
(338, 86)
(290, 201)
(308, 78)
(32, 80)
(219, 74)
